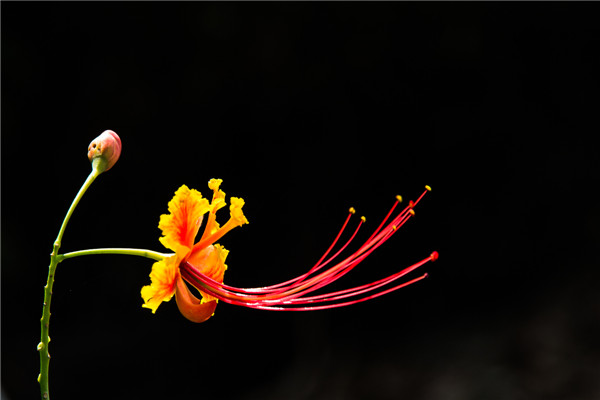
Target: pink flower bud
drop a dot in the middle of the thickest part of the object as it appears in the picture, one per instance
(104, 151)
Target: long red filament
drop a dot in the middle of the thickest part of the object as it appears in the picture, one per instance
(285, 296)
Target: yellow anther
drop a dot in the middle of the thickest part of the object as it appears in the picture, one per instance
(428, 188)
(363, 219)
(352, 210)
(412, 212)
(399, 198)
(394, 227)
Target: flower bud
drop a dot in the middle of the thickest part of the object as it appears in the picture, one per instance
(104, 151)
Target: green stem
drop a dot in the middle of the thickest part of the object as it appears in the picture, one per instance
(54, 260)
(155, 255)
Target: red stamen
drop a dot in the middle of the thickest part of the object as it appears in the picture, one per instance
(360, 289)
(343, 304)
(293, 292)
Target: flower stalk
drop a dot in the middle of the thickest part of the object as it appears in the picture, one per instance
(153, 255)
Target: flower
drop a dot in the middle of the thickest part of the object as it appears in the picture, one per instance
(203, 264)
(104, 151)
(187, 210)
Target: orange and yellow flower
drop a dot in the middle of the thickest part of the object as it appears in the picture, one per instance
(180, 227)
(202, 264)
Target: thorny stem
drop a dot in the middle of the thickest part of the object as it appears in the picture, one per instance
(54, 260)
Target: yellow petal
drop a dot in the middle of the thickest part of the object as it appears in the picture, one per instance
(164, 282)
(214, 184)
(213, 232)
(218, 200)
(182, 224)
(237, 215)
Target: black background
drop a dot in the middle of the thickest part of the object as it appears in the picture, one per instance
(304, 110)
